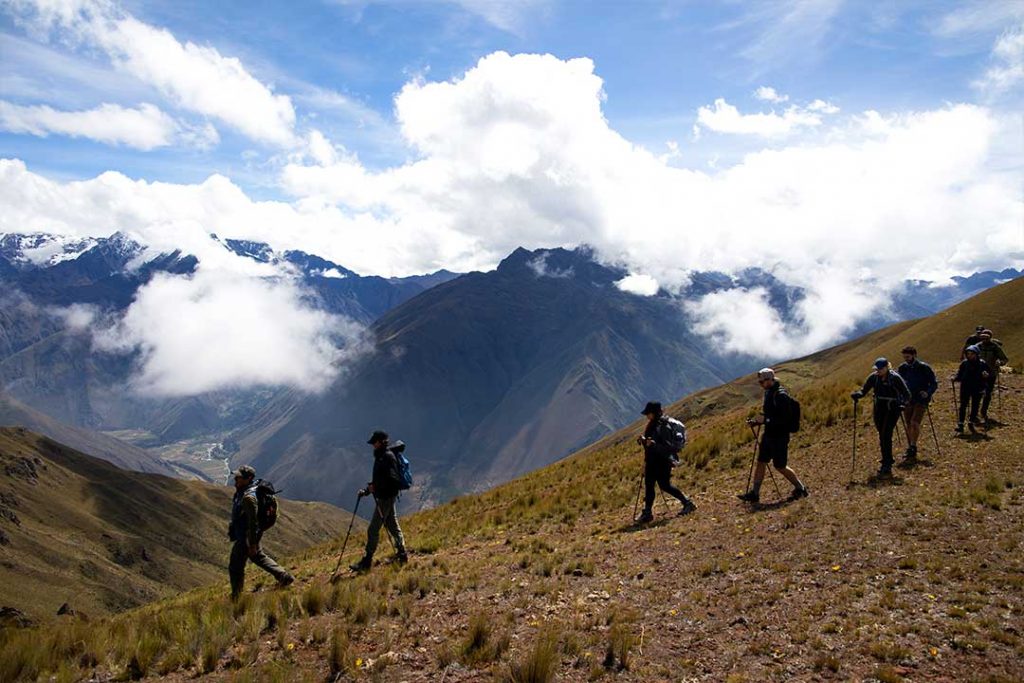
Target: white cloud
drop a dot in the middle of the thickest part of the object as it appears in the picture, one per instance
(143, 128)
(215, 330)
(979, 16)
(823, 107)
(723, 117)
(644, 285)
(511, 16)
(518, 152)
(1007, 69)
(195, 77)
(539, 265)
(786, 30)
(768, 94)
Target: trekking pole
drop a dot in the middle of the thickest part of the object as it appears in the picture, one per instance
(853, 463)
(931, 424)
(753, 458)
(639, 488)
(771, 474)
(347, 534)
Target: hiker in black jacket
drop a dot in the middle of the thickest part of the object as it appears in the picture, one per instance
(991, 352)
(384, 489)
(245, 533)
(662, 439)
(776, 412)
(971, 341)
(891, 395)
(921, 383)
(973, 375)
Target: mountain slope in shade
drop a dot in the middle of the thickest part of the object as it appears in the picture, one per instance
(78, 529)
(121, 454)
(489, 376)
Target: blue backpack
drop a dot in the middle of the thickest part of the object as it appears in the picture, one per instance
(404, 466)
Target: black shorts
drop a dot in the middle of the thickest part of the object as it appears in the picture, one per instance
(774, 449)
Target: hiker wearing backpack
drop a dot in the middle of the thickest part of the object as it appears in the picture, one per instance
(780, 416)
(991, 352)
(662, 440)
(971, 341)
(972, 375)
(891, 395)
(921, 383)
(248, 522)
(386, 484)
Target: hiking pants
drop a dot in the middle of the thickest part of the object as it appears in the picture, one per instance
(887, 416)
(972, 395)
(659, 473)
(990, 388)
(385, 515)
(914, 414)
(236, 566)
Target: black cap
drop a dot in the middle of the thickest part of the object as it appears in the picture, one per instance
(651, 407)
(378, 436)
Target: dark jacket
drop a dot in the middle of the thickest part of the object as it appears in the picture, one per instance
(244, 525)
(776, 408)
(992, 353)
(890, 391)
(665, 444)
(970, 377)
(973, 339)
(385, 473)
(919, 377)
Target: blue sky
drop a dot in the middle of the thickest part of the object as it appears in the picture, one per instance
(843, 145)
(343, 62)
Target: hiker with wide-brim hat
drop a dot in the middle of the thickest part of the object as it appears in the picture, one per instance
(384, 488)
(990, 350)
(972, 375)
(891, 395)
(662, 440)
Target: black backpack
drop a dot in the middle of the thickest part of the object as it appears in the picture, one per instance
(266, 504)
(793, 417)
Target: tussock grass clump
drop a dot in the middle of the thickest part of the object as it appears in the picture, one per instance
(617, 651)
(314, 599)
(540, 663)
(340, 659)
(482, 645)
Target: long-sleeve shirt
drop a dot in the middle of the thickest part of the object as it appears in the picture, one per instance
(970, 376)
(890, 390)
(776, 408)
(385, 473)
(244, 523)
(919, 377)
(991, 352)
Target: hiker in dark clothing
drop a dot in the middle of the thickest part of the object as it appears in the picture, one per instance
(245, 531)
(384, 489)
(973, 375)
(891, 394)
(971, 341)
(991, 352)
(774, 448)
(662, 439)
(921, 383)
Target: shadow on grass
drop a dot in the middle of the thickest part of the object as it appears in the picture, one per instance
(773, 505)
(633, 527)
(913, 464)
(875, 481)
(974, 437)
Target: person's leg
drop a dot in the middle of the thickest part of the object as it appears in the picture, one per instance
(265, 562)
(914, 415)
(965, 396)
(236, 568)
(780, 460)
(889, 420)
(990, 385)
(372, 536)
(650, 481)
(388, 509)
(665, 483)
(975, 404)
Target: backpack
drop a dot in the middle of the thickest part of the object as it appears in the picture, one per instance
(676, 435)
(793, 418)
(404, 466)
(266, 504)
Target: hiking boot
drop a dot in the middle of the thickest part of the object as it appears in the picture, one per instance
(688, 507)
(884, 473)
(959, 427)
(645, 518)
(362, 565)
(799, 493)
(402, 558)
(286, 581)
(970, 425)
(750, 497)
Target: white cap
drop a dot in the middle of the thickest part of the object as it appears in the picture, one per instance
(766, 373)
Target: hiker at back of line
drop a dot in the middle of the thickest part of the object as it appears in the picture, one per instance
(921, 384)
(891, 395)
(246, 532)
(662, 440)
(972, 375)
(776, 416)
(991, 351)
(384, 488)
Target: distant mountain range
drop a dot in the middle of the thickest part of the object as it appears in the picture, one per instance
(485, 375)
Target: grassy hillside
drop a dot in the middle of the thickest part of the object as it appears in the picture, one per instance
(77, 529)
(920, 578)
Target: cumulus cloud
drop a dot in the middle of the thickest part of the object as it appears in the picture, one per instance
(144, 128)
(769, 94)
(723, 117)
(196, 78)
(539, 265)
(517, 152)
(213, 330)
(643, 285)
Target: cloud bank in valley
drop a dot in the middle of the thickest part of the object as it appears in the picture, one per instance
(518, 152)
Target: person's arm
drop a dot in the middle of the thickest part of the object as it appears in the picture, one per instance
(902, 390)
(869, 384)
(252, 527)
(1001, 358)
(933, 382)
